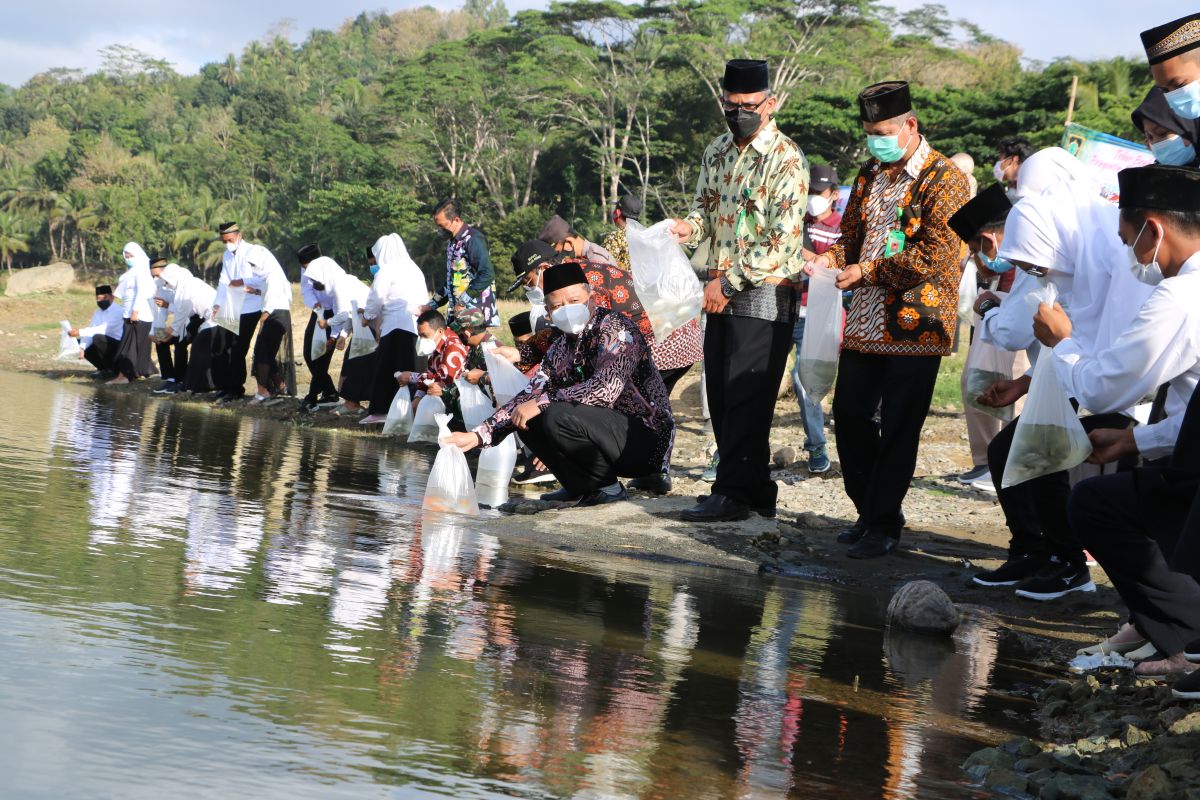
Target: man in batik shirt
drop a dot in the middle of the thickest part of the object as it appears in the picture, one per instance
(470, 279)
(628, 208)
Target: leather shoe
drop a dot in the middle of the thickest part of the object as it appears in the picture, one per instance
(717, 508)
(601, 497)
(873, 545)
(658, 483)
(763, 511)
(560, 496)
(853, 534)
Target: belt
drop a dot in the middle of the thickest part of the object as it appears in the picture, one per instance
(770, 279)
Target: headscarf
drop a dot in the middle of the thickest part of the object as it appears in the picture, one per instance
(324, 270)
(172, 274)
(140, 259)
(1047, 168)
(392, 255)
(1155, 109)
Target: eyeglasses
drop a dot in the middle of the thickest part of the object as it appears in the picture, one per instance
(727, 106)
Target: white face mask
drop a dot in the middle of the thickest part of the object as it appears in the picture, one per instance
(998, 170)
(571, 319)
(1150, 274)
(818, 204)
(426, 347)
(231, 246)
(535, 295)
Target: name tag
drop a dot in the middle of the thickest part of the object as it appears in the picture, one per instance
(894, 243)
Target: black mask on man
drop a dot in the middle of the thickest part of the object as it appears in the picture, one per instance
(320, 287)
(103, 304)
(742, 123)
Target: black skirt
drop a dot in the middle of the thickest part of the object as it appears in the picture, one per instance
(272, 372)
(397, 353)
(358, 376)
(199, 376)
(133, 357)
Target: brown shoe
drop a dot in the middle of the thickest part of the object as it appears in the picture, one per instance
(1164, 667)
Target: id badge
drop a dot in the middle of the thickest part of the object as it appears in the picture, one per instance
(894, 243)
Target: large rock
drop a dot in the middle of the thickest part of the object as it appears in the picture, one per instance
(922, 607)
(53, 278)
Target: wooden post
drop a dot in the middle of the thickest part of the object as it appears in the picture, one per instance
(1074, 89)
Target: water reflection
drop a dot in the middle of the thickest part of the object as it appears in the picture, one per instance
(279, 592)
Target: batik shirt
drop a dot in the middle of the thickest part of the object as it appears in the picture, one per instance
(470, 279)
(616, 243)
(608, 366)
(749, 207)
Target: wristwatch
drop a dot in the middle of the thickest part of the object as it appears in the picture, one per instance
(727, 288)
(988, 305)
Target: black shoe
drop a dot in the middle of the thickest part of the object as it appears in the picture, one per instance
(1188, 687)
(530, 474)
(168, 387)
(1192, 652)
(560, 496)
(763, 511)
(602, 497)
(658, 483)
(329, 401)
(1056, 581)
(853, 534)
(1018, 567)
(873, 544)
(717, 508)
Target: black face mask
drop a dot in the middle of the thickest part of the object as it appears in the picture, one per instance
(320, 287)
(103, 304)
(742, 123)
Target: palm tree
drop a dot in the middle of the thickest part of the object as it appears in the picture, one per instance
(227, 72)
(12, 238)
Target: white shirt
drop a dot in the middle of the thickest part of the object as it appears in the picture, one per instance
(1161, 345)
(136, 288)
(267, 276)
(347, 295)
(397, 293)
(109, 322)
(1010, 327)
(233, 268)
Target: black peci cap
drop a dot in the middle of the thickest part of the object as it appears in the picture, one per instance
(309, 253)
(560, 276)
(988, 207)
(1172, 39)
(886, 100)
(1160, 187)
(746, 76)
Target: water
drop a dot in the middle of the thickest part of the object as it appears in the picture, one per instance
(197, 604)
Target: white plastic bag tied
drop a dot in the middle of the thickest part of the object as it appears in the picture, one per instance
(158, 325)
(424, 424)
(663, 277)
(822, 335)
(400, 417)
(476, 406)
(362, 341)
(494, 472)
(68, 346)
(449, 488)
(986, 365)
(229, 316)
(507, 381)
(320, 341)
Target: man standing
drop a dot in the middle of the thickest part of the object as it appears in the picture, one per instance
(102, 338)
(628, 208)
(899, 255)
(568, 242)
(267, 282)
(229, 354)
(470, 279)
(749, 207)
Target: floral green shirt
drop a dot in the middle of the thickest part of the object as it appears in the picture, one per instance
(615, 242)
(750, 206)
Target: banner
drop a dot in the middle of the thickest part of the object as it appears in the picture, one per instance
(1106, 154)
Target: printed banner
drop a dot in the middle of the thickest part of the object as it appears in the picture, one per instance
(1106, 154)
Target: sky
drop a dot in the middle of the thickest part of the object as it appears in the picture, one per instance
(43, 34)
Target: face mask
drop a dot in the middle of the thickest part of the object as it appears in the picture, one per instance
(129, 263)
(743, 124)
(1174, 151)
(1149, 274)
(571, 319)
(995, 264)
(1185, 101)
(426, 347)
(320, 287)
(535, 295)
(818, 204)
(231, 246)
(886, 148)
(103, 304)
(998, 170)
(374, 269)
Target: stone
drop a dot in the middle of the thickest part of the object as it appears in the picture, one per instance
(1037, 763)
(784, 457)
(1171, 716)
(1021, 747)
(1151, 783)
(1074, 787)
(1006, 781)
(923, 607)
(1182, 769)
(981, 762)
(1133, 735)
(35, 280)
(1186, 725)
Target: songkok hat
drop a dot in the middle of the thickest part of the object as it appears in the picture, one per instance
(157, 261)
(885, 100)
(989, 206)
(1172, 39)
(228, 227)
(631, 207)
(555, 230)
(309, 253)
(104, 288)
(468, 319)
(746, 76)
(560, 276)
(520, 325)
(1160, 187)
(821, 177)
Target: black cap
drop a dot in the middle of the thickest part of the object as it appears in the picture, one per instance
(560, 276)
(1172, 39)
(885, 100)
(631, 207)
(157, 261)
(986, 208)
(1160, 187)
(104, 288)
(309, 253)
(519, 324)
(555, 230)
(531, 254)
(228, 227)
(746, 76)
(821, 177)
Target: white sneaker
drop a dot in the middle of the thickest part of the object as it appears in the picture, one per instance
(984, 483)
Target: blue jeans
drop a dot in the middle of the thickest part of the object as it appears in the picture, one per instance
(811, 413)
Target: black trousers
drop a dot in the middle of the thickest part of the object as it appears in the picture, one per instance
(879, 458)
(173, 353)
(744, 360)
(102, 352)
(199, 377)
(397, 352)
(271, 372)
(133, 356)
(321, 383)
(232, 351)
(587, 447)
(671, 377)
(1111, 517)
(1036, 511)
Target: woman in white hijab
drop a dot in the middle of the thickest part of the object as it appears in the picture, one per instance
(393, 305)
(136, 288)
(1048, 168)
(345, 294)
(191, 303)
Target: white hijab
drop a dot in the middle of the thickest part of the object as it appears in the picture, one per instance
(1047, 168)
(324, 270)
(391, 255)
(140, 259)
(172, 274)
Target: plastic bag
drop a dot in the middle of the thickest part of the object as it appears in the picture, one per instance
(663, 277)
(400, 417)
(822, 335)
(449, 488)
(968, 290)
(68, 345)
(320, 342)
(229, 316)
(1049, 437)
(362, 340)
(494, 471)
(475, 405)
(158, 324)
(424, 424)
(507, 381)
(986, 364)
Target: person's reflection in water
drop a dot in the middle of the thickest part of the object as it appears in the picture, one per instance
(300, 557)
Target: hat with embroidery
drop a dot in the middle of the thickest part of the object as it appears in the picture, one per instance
(1172, 39)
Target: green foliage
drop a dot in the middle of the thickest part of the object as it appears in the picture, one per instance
(358, 131)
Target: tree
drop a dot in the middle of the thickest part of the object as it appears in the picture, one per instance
(12, 238)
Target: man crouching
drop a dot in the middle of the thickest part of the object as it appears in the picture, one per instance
(597, 409)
